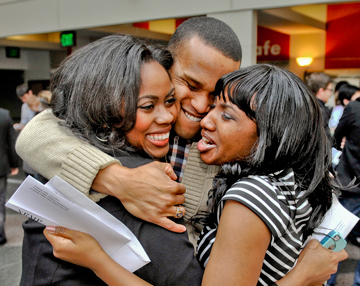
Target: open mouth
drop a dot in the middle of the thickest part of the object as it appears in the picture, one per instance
(192, 118)
(205, 144)
(207, 141)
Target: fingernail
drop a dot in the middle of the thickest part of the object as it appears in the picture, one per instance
(51, 229)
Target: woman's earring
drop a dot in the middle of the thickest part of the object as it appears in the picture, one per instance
(103, 133)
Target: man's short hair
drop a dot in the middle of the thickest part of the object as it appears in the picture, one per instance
(318, 80)
(340, 84)
(346, 91)
(22, 89)
(213, 32)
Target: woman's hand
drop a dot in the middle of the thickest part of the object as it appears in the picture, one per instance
(148, 192)
(82, 249)
(74, 246)
(314, 266)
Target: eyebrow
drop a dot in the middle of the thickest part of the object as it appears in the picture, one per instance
(155, 96)
(227, 106)
(171, 92)
(188, 77)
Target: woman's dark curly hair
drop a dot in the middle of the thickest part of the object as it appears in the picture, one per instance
(95, 89)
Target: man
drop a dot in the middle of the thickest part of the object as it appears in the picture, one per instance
(321, 85)
(204, 49)
(8, 163)
(31, 105)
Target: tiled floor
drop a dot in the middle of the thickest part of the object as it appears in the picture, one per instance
(10, 253)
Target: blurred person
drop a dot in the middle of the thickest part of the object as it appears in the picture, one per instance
(346, 93)
(9, 162)
(30, 107)
(321, 86)
(338, 108)
(348, 169)
(336, 90)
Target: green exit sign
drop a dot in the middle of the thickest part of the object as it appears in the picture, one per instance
(12, 52)
(68, 39)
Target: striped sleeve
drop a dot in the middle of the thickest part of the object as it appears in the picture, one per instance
(261, 197)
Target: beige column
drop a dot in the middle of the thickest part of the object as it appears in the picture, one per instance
(244, 23)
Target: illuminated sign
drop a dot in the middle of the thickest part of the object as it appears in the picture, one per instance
(12, 52)
(68, 39)
(272, 45)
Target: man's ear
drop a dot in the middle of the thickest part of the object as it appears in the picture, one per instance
(320, 92)
(30, 92)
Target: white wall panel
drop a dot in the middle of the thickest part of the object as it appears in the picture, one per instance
(28, 17)
(40, 16)
(244, 24)
(267, 4)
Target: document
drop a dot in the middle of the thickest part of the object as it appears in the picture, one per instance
(57, 203)
(336, 218)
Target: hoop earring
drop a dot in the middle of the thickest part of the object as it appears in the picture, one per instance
(101, 140)
(104, 131)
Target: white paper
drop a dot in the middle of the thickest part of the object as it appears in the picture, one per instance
(336, 218)
(59, 204)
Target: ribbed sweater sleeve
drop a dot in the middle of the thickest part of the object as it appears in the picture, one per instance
(52, 150)
(197, 179)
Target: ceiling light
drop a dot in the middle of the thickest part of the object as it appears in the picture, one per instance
(304, 61)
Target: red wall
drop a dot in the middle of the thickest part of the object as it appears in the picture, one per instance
(343, 36)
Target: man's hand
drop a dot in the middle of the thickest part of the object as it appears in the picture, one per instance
(148, 192)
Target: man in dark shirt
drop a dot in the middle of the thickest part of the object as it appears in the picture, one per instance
(8, 162)
(321, 86)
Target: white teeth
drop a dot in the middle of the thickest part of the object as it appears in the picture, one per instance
(206, 142)
(192, 118)
(158, 137)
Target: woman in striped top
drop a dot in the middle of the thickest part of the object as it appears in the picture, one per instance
(274, 188)
(275, 185)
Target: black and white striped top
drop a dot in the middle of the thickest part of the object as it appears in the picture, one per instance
(281, 207)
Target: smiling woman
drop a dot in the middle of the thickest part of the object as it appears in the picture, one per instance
(156, 112)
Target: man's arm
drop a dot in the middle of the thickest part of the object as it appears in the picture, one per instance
(148, 192)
